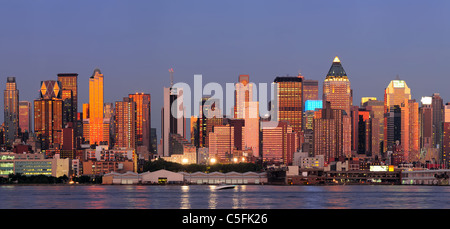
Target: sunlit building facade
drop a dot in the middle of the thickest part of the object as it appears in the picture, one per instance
(410, 130)
(310, 90)
(125, 123)
(396, 93)
(337, 91)
(247, 109)
(279, 143)
(221, 143)
(69, 85)
(48, 111)
(328, 133)
(143, 119)
(25, 116)
(290, 105)
(96, 135)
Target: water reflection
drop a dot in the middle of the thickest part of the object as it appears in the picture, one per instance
(212, 203)
(204, 196)
(185, 197)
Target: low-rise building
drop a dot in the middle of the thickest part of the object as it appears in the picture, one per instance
(30, 164)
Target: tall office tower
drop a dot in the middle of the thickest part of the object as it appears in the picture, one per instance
(69, 82)
(393, 127)
(209, 108)
(337, 91)
(25, 116)
(279, 143)
(172, 120)
(85, 119)
(143, 119)
(290, 105)
(96, 135)
(394, 95)
(221, 143)
(310, 90)
(154, 141)
(48, 111)
(360, 118)
(108, 123)
(11, 110)
(410, 130)
(438, 117)
(377, 107)
(68, 143)
(125, 123)
(365, 132)
(446, 137)
(68, 115)
(336, 88)
(328, 125)
(243, 95)
(195, 135)
(247, 109)
(211, 123)
(426, 123)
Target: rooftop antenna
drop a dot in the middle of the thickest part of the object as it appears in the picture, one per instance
(171, 76)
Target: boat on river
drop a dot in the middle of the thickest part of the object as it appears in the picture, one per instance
(225, 186)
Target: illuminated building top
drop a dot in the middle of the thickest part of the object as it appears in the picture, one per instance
(336, 71)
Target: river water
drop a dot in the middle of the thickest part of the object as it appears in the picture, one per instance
(206, 197)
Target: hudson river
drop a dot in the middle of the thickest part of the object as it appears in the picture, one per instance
(206, 197)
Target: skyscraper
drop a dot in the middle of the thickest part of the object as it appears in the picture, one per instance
(11, 110)
(173, 121)
(446, 137)
(336, 88)
(438, 117)
(396, 93)
(279, 143)
(410, 130)
(377, 107)
(25, 116)
(125, 123)
(143, 119)
(290, 104)
(310, 90)
(247, 109)
(426, 123)
(48, 110)
(221, 143)
(69, 83)
(328, 125)
(96, 108)
(337, 91)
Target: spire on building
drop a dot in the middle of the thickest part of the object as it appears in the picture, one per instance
(336, 70)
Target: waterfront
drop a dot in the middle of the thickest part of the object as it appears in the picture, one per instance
(206, 197)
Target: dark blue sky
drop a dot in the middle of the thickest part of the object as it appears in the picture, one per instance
(134, 43)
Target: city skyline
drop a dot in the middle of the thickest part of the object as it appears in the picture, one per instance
(134, 43)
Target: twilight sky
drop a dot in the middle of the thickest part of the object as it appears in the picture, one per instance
(134, 43)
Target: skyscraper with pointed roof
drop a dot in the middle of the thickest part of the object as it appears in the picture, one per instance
(336, 87)
(337, 91)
